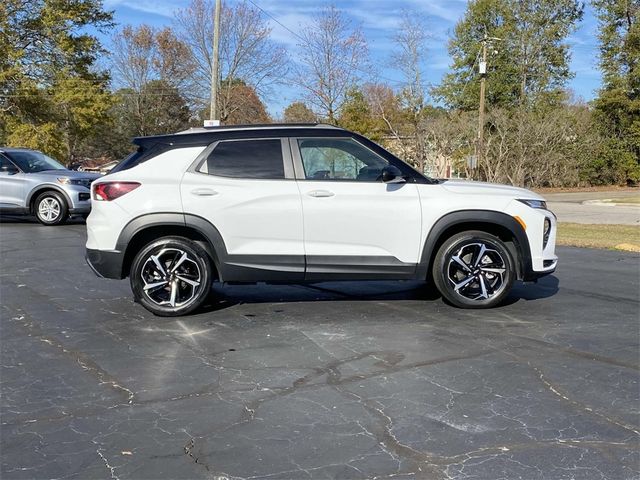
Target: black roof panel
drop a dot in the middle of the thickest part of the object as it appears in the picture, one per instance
(207, 135)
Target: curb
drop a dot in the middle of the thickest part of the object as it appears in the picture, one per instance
(605, 203)
(628, 247)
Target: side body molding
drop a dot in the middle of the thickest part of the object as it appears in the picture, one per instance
(476, 219)
(291, 268)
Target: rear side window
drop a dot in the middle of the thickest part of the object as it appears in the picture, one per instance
(247, 159)
(141, 155)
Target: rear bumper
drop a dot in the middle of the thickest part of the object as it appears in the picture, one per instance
(105, 263)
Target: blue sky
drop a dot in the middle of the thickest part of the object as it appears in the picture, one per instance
(378, 20)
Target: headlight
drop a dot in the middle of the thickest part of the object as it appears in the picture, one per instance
(85, 182)
(534, 203)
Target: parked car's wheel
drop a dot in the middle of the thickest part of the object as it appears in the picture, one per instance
(171, 276)
(474, 269)
(51, 208)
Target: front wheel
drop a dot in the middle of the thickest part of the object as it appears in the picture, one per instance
(51, 208)
(474, 269)
(171, 276)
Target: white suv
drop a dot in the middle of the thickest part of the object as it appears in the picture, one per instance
(305, 203)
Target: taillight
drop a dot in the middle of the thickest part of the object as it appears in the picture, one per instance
(107, 191)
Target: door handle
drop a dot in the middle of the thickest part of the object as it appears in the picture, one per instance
(204, 192)
(320, 193)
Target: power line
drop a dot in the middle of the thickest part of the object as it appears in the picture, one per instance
(304, 41)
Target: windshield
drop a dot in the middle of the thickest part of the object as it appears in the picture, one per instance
(32, 162)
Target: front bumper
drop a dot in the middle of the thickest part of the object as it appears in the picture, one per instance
(539, 256)
(531, 275)
(79, 199)
(105, 263)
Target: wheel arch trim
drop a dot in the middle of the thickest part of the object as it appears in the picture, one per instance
(215, 246)
(41, 188)
(476, 219)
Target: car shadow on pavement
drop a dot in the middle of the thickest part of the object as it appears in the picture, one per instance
(31, 220)
(223, 297)
(545, 287)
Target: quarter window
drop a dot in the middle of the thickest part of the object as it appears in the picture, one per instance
(247, 159)
(339, 159)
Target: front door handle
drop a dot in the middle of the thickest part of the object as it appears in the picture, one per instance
(320, 193)
(204, 192)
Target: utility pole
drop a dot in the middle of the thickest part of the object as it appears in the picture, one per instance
(214, 119)
(482, 69)
(483, 78)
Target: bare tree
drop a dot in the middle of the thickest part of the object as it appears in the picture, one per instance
(410, 41)
(539, 148)
(450, 137)
(143, 54)
(152, 68)
(332, 59)
(404, 113)
(246, 51)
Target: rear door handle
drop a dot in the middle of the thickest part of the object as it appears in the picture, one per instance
(320, 193)
(204, 192)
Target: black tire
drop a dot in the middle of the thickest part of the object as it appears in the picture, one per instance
(51, 208)
(172, 296)
(468, 276)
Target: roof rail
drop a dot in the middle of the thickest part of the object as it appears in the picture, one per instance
(256, 126)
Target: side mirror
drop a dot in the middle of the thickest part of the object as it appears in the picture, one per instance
(392, 174)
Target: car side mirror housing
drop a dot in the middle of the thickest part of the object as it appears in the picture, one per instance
(392, 174)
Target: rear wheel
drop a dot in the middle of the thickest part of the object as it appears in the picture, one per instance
(51, 208)
(474, 269)
(171, 276)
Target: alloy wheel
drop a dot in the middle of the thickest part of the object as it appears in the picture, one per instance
(49, 209)
(477, 271)
(171, 277)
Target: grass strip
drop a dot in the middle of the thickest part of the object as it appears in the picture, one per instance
(613, 237)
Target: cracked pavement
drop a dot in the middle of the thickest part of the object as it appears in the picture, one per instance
(356, 380)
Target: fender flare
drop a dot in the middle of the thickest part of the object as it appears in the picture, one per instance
(44, 187)
(477, 218)
(216, 246)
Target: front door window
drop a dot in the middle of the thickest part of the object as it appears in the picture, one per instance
(340, 159)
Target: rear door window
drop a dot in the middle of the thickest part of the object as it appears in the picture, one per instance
(246, 159)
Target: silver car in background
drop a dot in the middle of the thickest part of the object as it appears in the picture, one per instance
(33, 183)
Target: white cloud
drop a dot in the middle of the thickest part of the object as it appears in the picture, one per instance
(163, 8)
(449, 10)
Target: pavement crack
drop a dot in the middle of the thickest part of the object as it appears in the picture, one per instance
(106, 462)
(577, 353)
(558, 392)
(189, 451)
(83, 360)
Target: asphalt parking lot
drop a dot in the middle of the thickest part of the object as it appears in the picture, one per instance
(359, 380)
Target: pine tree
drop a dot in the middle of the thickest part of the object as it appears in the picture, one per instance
(528, 65)
(618, 102)
(51, 93)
